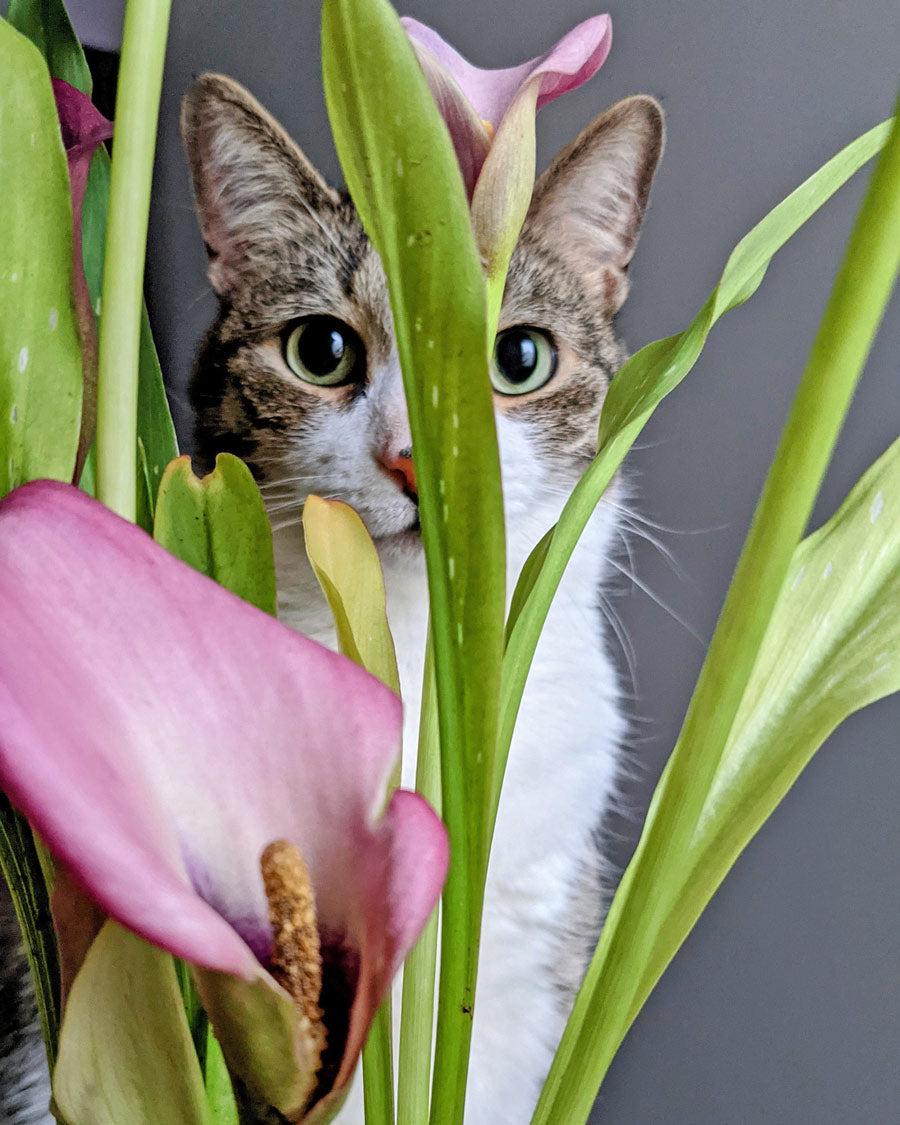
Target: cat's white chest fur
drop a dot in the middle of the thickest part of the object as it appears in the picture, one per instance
(559, 780)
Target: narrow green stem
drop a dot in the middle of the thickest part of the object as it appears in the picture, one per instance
(607, 1002)
(417, 1010)
(134, 142)
(378, 1069)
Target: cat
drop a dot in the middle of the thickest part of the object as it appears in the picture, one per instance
(299, 376)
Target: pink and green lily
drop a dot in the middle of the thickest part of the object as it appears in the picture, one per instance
(212, 781)
(490, 116)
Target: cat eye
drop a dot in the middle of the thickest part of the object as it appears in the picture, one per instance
(524, 359)
(324, 351)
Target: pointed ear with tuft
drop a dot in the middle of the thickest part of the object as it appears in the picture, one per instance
(591, 200)
(255, 191)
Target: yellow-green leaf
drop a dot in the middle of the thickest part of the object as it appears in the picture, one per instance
(125, 1052)
(346, 564)
(40, 350)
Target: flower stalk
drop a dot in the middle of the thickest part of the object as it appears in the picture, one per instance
(137, 112)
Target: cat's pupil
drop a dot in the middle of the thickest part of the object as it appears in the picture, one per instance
(321, 347)
(517, 356)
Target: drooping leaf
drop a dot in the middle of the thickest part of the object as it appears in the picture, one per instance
(40, 351)
(346, 564)
(125, 1052)
(634, 394)
(403, 176)
(46, 23)
(218, 525)
(831, 648)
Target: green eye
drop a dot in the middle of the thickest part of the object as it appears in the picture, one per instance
(324, 351)
(524, 360)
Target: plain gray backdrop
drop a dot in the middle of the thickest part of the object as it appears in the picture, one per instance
(784, 1004)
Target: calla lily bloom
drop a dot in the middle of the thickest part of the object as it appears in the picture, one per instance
(490, 116)
(212, 781)
(83, 128)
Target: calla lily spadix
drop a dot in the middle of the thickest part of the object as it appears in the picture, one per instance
(490, 117)
(212, 781)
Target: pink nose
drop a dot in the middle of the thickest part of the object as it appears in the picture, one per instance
(400, 465)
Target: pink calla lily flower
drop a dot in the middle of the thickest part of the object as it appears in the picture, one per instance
(207, 777)
(83, 128)
(490, 116)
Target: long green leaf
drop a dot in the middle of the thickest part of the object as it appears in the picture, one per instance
(617, 978)
(125, 1052)
(832, 648)
(218, 525)
(40, 350)
(636, 391)
(403, 176)
(46, 23)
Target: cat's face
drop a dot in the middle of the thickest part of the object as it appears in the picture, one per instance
(299, 373)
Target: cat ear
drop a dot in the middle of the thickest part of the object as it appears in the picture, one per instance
(590, 201)
(254, 188)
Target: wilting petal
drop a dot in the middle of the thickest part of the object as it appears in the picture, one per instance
(160, 733)
(83, 127)
(490, 93)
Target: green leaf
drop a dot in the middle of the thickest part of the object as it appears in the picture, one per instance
(125, 1052)
(404, 179)
(40, 350)
(46, 23)
(219, 1094)
(831, 648)
(346, 564)
(634, 394)
(630, 946)
(218, 525)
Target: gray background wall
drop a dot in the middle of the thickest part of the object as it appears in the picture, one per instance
(784, 1004)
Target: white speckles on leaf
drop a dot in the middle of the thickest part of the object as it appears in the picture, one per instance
(98, 304)
(446, 513)
(431, 344)
(442, 486)
(32, 139)
(828, 569)
(14, 276)
(799, 578)
(877, 506)
(399, 166)
(14, 414)
(459, 632)
(451, 566)
(455, 421)
(455, 451)
(435, 395)
(53, 320)
(23, 360)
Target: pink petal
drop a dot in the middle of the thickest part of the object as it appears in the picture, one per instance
(566, 66)
(159, 733)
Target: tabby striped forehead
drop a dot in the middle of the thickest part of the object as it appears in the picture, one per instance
(284, 246)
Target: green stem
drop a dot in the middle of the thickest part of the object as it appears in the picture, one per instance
(137, 112)
(378, 1069)
(606, 1004)
(417, 1010)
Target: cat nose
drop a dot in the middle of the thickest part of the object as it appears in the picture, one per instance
(400, 465)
